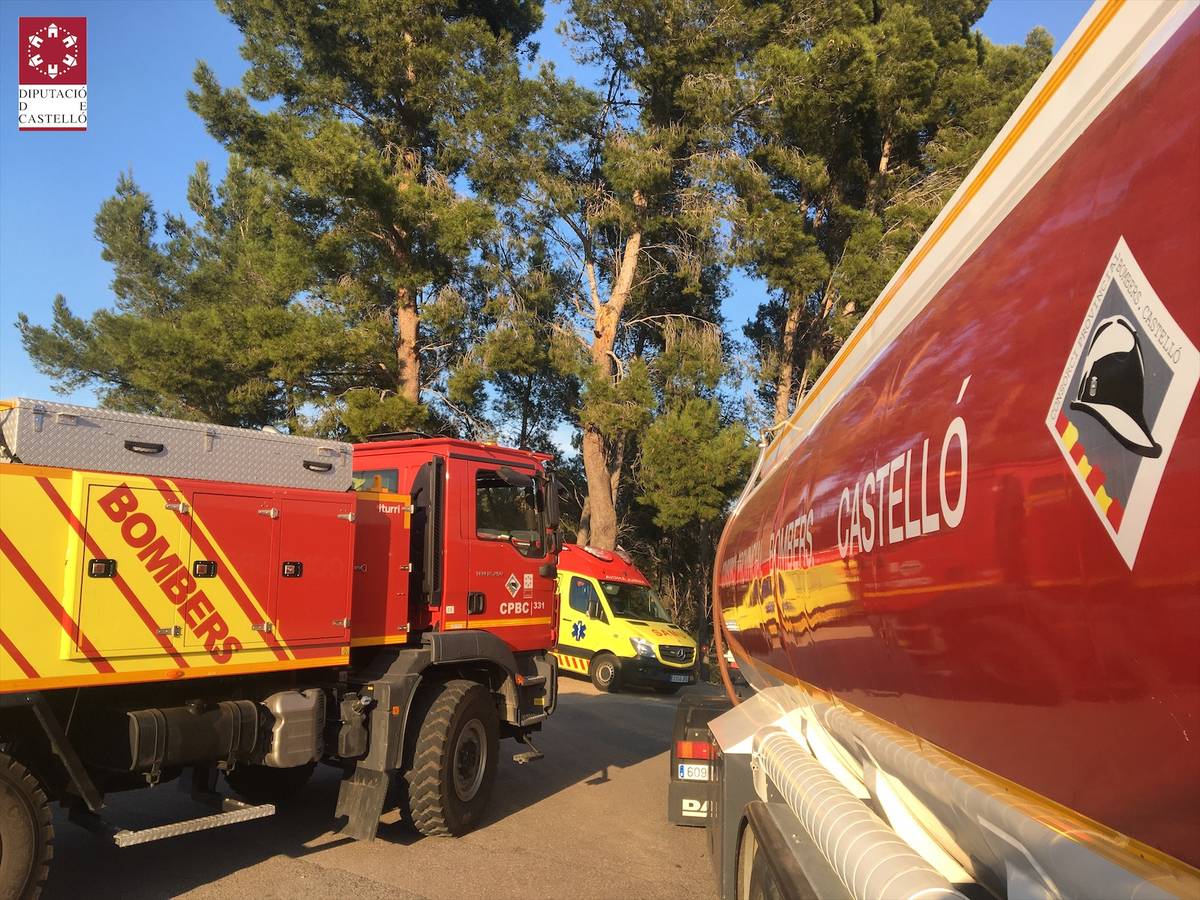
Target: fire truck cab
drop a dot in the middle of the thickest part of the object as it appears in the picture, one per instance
(488, 509)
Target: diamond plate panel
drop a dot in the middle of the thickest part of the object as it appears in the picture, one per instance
(44, 433)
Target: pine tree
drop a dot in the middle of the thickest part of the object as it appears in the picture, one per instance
(211, 319)
(613, 179)
(371, 111)
(854, 123)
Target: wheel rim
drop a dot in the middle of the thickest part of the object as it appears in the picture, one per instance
(470, 760)
(604, 673)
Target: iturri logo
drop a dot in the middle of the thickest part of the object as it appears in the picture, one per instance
(1121, 399)
(52, 73)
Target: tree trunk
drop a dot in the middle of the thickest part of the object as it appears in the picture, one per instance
(885, 155)
(787, 362)
(526, 402)
(584, 533)
(602, 524)
(408, 380)
(603, 468)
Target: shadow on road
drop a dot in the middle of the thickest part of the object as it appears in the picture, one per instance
(589, 737)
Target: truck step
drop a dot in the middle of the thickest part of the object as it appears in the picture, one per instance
(533, 754)
(232, 812)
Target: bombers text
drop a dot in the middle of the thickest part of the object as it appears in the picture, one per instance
(195, 608)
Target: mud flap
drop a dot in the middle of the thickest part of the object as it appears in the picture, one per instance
(361, 796)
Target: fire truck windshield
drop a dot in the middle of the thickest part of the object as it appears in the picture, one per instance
(633, 601)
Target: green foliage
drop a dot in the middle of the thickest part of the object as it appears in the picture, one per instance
(691, 464)
(368, 412)
(211, 320)
(370, 111)
(853, 123)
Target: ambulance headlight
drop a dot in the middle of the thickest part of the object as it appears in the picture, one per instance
(642, 647)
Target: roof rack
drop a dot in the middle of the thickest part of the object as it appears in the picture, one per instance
(396, 436)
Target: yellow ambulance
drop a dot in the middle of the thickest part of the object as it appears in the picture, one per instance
(612, 629)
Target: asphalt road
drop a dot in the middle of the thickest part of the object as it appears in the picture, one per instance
(588, 821)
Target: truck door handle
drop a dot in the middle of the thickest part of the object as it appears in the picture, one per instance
(476, 601)
(148, 448)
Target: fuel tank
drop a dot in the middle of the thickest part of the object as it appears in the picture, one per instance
(980, 531)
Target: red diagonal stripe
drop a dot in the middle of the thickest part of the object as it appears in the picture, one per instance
(223, 572)
(121, 584)
(52, 605)
(1115, 513)
(1077, 451)
(1095, 478)
(22, 663)
(1061, 423)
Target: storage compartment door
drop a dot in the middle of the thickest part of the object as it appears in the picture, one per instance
(231, 559)
(382, 540)
(316, 550)
(132, 558)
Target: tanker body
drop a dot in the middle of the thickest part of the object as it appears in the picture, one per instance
(964, 580)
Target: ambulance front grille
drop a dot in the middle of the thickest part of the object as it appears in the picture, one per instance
(677, 654)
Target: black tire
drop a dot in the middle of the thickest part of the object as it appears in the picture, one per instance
(605, 672)
(26, 832)
(266, 784)
(450, 754)
(667, 690)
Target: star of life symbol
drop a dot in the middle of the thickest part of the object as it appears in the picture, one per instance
(51, 50)
(578, 631)
(513, 585)
(1120, 402)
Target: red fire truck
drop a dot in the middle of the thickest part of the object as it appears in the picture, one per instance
(183, 599)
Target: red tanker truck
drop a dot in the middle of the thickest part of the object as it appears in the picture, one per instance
(964, 579)
(181, 599)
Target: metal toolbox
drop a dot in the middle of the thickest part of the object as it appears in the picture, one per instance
(42, 433)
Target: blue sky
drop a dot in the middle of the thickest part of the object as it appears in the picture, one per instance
(141, 55)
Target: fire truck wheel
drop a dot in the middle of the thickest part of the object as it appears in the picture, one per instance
(450, 758)
(266, 784)
(26, 832)
(606, 676)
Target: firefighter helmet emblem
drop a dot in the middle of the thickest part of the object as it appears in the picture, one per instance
(1119, 404)
(1113, 386)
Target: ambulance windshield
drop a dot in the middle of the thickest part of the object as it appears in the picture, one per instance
(633, 601)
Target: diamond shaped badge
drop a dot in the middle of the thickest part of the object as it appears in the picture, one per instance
(1121, 399)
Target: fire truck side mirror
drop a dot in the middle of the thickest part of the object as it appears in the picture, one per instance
(553, 510)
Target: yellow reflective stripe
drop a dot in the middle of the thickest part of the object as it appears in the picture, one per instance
(503, 623)
(571, 662)
(379, 639)
(1103, 499)
(135, 676)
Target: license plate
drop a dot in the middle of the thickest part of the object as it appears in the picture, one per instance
(680, 679)
(693, 771)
